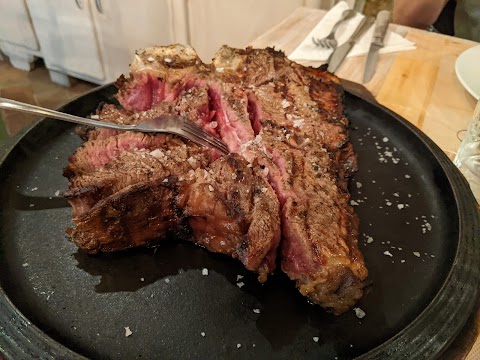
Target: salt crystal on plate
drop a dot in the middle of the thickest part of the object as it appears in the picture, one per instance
(240, 284)
(353, 203)
(388, 253)
(239, 346)
(239, 277)
(150, 58)
(256, 311)
(220, 69)
(128, 332)
(202, 333)
(385, 139)
(204, 272)
(416, 253)
(167, 60)
(359, 312)
(285, 103)
(25, 264)
(142, 279)
(369, 239)
(316, 338)
(57, 193)
(400, 206)
(167, 280)
(210, 187)
(359, 185)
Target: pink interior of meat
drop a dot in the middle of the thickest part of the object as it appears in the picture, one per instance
(145, 91)
(223, 118)
(254, 114)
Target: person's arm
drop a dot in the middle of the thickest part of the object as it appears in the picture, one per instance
(418, 13)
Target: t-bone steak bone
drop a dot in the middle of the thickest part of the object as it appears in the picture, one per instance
(287, 121)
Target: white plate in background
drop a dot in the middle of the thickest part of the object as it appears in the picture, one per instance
(467, 68)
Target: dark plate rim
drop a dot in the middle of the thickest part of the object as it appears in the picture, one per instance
(421, 339)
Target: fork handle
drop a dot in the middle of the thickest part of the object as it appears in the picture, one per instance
(346, 14)
(37, 110)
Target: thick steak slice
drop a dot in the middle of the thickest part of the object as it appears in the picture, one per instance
(174, 158)
(227, 208)
(298, 115)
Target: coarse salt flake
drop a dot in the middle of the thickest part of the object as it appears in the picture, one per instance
(369, 239)
(416, 253)
(285, 103)
(264, 190)
(25, 264)
(204, 271)
(298, 123)
(128, 332)
(407, 176)
(388, 253)
(150, 58)
(400, 206)
(359, 185)
(249, 165)
(316, 338)
(256, 311)
(213, 124)
(142, 279)
(239, 277)
(165, 180)
(57, 193)
(167, 60)
(210, 187)
(240, 284)
(396, 194)
(385, 139)
(353, 203)
(239, 346)
(359, 312)
(202, 333)
(167, 280)
(157, 153)
(220, 69)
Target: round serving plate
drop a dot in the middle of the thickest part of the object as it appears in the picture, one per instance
(419, 233)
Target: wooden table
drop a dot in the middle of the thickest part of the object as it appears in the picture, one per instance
(420, 85)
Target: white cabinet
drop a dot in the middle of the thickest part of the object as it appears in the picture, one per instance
(17, 36)
(124, 26)
(67, 37)
(96, 39)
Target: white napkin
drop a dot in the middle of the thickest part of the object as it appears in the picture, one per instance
(308, 51)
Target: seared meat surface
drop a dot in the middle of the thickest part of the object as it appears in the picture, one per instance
(289, 170)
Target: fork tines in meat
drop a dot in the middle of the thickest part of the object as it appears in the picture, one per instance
(286, 124)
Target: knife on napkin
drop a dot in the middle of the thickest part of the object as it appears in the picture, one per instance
(381, 25)
(342, 51)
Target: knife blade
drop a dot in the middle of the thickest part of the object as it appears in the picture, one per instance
(381, 25)
(342, 51)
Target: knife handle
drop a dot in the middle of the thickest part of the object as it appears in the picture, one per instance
(383, 18)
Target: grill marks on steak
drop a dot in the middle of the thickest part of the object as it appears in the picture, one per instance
(287, 121)
(234, 215)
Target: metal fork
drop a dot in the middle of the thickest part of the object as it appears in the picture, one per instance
(172, 124)
(329, 41)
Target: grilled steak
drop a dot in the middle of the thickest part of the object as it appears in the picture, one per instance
(285, 120)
